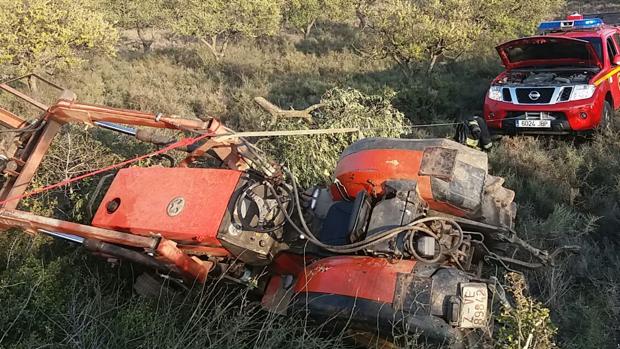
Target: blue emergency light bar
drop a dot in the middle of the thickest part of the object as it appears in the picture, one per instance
(590, 23)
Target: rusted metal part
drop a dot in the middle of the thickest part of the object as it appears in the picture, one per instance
(33, 223)
(497, 205)
(24, 97)
(438, 162)
(198, 250)
(16, 188)
(107, 249)
(166, 251)
(10, 120)
(68, 111)
(39, 77)
(413, 293)
(198, 152)
(278, 295)
(191, 267)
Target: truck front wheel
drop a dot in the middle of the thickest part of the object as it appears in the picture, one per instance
(607, 117)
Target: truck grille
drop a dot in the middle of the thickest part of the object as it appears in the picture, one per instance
(506, 95)
(527, 95)
(565, 96)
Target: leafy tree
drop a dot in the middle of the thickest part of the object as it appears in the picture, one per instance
(144, 16)
(418, 33)
(303, 14)
(508, 19)
(215, 22)
(47, 35)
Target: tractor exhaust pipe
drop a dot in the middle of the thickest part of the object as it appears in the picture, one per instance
(100, 247)
(103, 248)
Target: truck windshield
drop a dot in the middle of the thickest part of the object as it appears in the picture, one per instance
(597, 44)
(552, 49)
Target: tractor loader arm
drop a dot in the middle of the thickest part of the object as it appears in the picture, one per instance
(27, 150)
(23, 154)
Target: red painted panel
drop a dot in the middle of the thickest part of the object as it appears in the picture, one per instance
(354, 276)
(369, 169)
(145, 194)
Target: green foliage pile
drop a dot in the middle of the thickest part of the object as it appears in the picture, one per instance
(312, 158)
(303, 14)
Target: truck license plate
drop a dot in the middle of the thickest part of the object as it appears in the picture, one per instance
(474, 300)
(534, 123)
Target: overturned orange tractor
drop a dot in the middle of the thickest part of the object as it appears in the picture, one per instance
(395, 244)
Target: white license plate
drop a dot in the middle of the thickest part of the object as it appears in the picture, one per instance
(474, 300)
(534, 123)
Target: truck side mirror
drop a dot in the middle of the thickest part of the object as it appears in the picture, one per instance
(616, 60)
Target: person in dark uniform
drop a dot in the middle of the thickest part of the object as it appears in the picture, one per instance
(473, 132)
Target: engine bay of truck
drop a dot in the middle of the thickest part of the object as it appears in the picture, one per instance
(551, 77)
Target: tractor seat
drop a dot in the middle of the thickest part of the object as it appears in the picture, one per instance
(346, 221)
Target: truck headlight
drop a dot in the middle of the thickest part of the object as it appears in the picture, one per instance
(495, 93)
(582, 92)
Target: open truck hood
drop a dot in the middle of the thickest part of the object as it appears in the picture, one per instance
(537, 51)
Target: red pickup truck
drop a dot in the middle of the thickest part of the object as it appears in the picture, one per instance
(564, 81)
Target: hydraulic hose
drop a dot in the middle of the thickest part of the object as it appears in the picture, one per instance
(357, 246)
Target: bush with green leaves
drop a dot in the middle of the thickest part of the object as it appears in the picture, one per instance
(303, 14)
(216, 22)
(143, 16)
(566, 193)
(417, 34)
(313, 158)
(47, 35)
(527, 324)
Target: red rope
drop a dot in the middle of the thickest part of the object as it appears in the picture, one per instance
(181, 143)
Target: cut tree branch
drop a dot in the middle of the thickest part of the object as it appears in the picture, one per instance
(277, 112)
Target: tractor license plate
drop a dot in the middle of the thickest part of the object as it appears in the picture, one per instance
(474, 300)
(534, 123)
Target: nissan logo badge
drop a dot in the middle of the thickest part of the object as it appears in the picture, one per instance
(534, 95)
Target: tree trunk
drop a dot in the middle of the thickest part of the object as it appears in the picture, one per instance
(146, 44)
(432, 63)
(308, 29)
(362, 19)
(217, 53)
(33, 85)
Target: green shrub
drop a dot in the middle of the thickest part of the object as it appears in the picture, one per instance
(313, 158)
(528, 323)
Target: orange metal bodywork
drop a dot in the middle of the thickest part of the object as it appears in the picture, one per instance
(354, 276)
(369, 169)
(145, 194)
(194, 267)
(32, 143)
